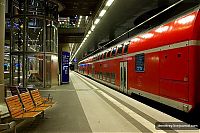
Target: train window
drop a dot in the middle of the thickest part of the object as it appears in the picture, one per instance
(108, 54)
(139, 63)
(100, 75)
(95, 74)
(113, 52)
(119, 50)
(104, 55)
(125, 49)
(101, 55)
(113, 78)
(108, 77)
(104, 76)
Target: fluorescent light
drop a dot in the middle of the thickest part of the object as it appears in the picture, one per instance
(86, 17)
(102, 13)
(81, 17)
(92, 28)
(109, 2)
(96, 21)
(89, 32)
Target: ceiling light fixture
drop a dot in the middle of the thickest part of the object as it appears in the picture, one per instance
(101, 14)
(89, 32)
(109, 2)
(96, 21)
(92, 28)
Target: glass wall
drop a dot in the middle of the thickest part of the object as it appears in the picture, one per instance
(34, 41)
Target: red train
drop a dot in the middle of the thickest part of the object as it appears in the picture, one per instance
(162, 64)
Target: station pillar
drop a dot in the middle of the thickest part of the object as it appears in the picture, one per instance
(2, 35)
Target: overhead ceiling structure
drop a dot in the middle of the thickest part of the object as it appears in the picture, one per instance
(73, 11)
(120, 17)
(79, 7)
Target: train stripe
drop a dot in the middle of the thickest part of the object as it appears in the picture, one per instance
(175, 104)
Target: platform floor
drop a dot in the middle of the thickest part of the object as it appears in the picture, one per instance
(84, 105)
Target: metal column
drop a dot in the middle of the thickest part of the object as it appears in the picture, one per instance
(2, 38)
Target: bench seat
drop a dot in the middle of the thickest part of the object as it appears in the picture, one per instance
(16, 109)
(27, 115)
(39, 100)
(28, 103)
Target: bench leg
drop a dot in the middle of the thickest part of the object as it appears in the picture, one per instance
(43, 114)
(15, 129)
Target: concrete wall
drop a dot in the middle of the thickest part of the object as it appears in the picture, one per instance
(65, 47)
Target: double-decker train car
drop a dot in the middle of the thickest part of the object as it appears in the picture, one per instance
(162, 64)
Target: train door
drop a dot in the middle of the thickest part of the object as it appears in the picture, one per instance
(123, 77)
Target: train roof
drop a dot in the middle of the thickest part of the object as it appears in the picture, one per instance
(178, 29)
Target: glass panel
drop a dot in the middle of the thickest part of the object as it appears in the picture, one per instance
(119, 50)
(18, 7)
(113, 52)
(125, 49)
(16, 69)
(108, 77)
(113, 78)
(35, 35)
(101, 75)
(104, 56)
(36, 7)
(35, 70)
(17, 35)
(108, 54)
(51, 37)
(7, 62)
(52, 10)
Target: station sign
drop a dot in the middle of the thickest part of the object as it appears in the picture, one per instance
(65, 68)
